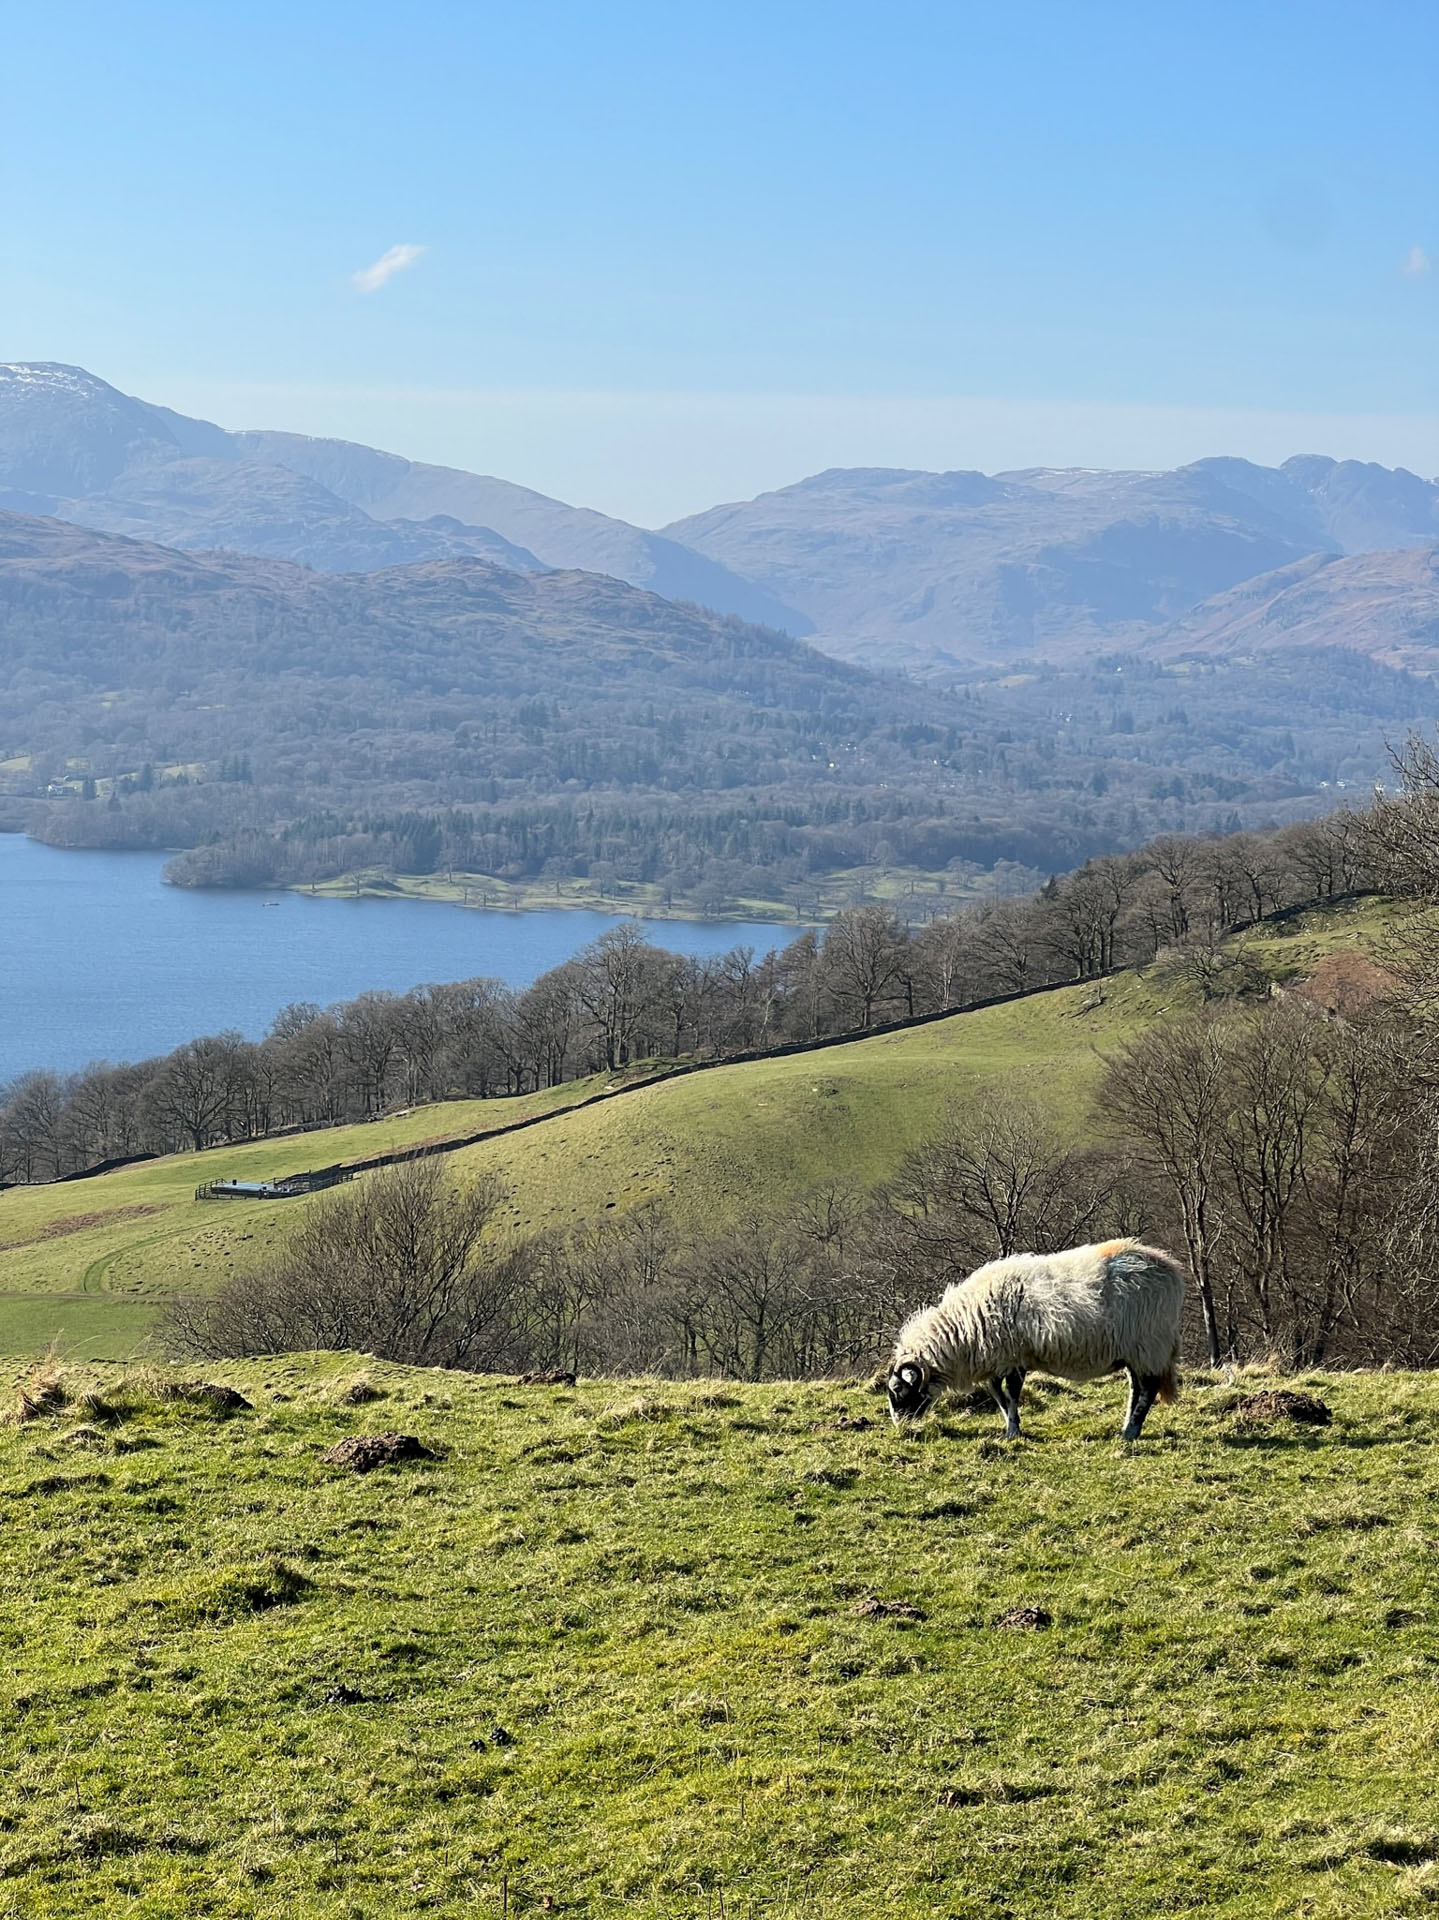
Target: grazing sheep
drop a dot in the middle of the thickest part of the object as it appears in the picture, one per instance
(1080, 1314)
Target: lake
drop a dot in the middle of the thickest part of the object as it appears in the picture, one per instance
(100, 960)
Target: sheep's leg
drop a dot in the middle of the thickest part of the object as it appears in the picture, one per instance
(1143, 1391)
(1005, 1394)
(1014, 1387)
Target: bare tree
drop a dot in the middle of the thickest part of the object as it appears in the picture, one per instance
(995, 1182)
(1273, 1084)
(1166, 1094)
(865, 950)
(369, 1038)
(1402, 830)
(623, 984)
(403, 1264)
(32, 1116)
(196, 1090)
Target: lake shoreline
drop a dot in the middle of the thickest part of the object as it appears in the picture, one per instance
(917, 895)
(482, 893)
(103, 960)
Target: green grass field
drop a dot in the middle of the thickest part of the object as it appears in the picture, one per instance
(83, 1265)
(610, 1655)
(83, 1262)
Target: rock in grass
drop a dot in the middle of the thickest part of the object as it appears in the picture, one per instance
(871, 1607)
(363, 1452)
(1281, 1404)
(1025, 1620)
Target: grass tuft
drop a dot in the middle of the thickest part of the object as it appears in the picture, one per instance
(231, 1593)
(43, 1392)
(640, 1410)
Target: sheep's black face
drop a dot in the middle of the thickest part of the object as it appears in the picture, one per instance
(911, 1391)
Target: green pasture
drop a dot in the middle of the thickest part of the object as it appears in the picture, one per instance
(645, 1649)
(715, 1147)
(82, 1262)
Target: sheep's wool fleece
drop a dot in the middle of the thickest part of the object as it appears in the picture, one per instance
(1080, 1314)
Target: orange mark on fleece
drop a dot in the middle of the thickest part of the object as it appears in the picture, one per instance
(1111, 1247)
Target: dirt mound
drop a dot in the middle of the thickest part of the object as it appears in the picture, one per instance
(547, 1379)
(363, 1452)
(360, 1393)
(873, 1608)
(1344, 984)
(1025, 1620)
(1281, 1404)
(854, 1423)
(203, 1393)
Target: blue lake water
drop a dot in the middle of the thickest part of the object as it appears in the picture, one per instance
(99, 960)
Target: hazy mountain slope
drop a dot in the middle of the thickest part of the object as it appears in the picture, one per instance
(73, 447)
(388, 487)
(446, 682)
(72, 598)
(1384, 605)
(929, 569)
(250, 507)
(1354, 505)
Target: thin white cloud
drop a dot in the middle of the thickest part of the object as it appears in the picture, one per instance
(394, 260)
(1415, 264)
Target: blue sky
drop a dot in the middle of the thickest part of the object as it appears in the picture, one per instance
(677, 253)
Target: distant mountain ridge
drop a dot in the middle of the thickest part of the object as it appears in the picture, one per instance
(945, 570)
(935, 573)
(1384, 605)
(75, 448)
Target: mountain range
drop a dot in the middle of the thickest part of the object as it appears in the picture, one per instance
(930, 571)
(937, 574)
(74, 448)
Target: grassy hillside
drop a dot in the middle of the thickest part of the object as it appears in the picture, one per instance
(611, 1654)
(716, 1146)
(84, 1263)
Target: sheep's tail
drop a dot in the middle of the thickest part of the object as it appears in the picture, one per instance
(1169, 1384)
